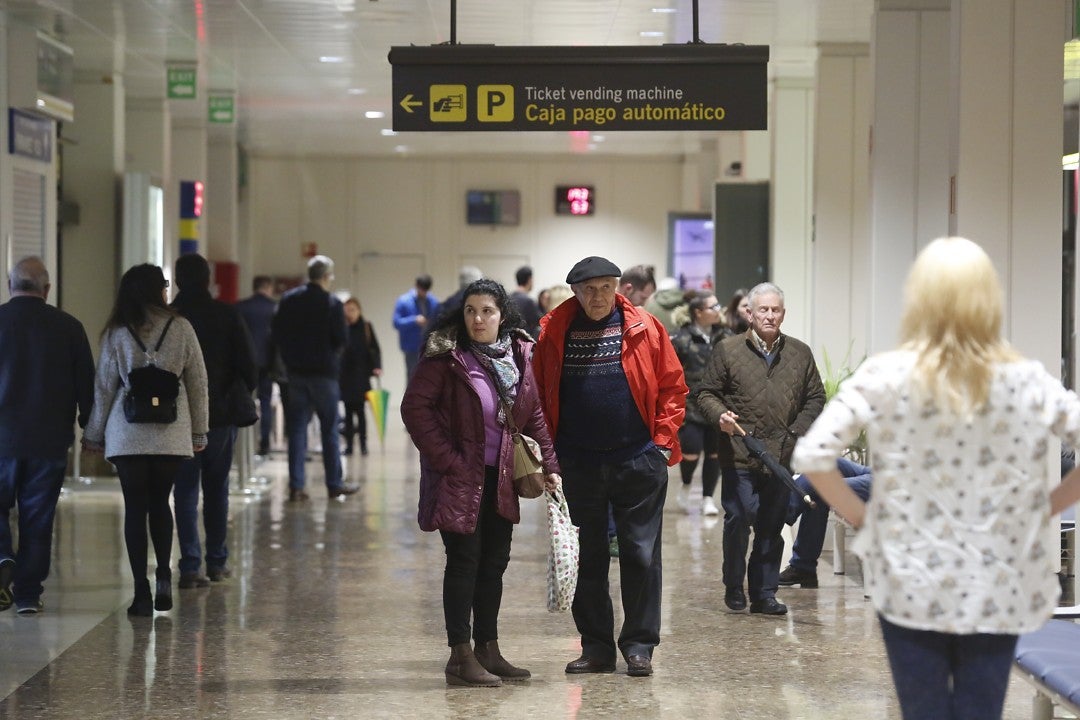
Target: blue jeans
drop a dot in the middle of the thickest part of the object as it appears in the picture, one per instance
(810, 538)
(948, 677)
(635, 489)
(321, 394)
(34, 485)
(760, 502)
(211, 466)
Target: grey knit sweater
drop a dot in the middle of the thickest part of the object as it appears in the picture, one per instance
(181, 354)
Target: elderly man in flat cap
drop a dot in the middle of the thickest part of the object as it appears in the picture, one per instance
(613, 392)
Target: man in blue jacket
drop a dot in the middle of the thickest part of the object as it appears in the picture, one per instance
(309, 330)
(46, 375)
(412, 312)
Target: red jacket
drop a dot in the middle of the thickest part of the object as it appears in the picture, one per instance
(652, 369)
(443, 414)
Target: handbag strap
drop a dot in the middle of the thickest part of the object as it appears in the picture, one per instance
(161, 338)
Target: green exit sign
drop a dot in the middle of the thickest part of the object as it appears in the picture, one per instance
(180, 82)
(222, 109)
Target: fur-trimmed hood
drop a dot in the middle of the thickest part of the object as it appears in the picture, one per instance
(443, 341)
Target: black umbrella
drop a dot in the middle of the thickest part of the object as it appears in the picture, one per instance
(756, 448)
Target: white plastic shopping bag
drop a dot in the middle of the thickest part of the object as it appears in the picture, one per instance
(563, 556)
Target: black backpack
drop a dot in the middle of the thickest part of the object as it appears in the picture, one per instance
(152, 392)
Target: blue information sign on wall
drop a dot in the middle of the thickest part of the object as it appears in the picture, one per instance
(30, 135)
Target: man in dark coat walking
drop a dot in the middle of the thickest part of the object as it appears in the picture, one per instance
(230, 367)
(46, 374)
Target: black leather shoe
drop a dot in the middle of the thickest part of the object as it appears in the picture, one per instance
(638, 666)
(735, 598)
(586, 664)
(7, 572)
(793, 576)
(768, 606)
(189, 581)
(297, 495)
(343, 491)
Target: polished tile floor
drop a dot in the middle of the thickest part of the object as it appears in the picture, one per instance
(334, 611)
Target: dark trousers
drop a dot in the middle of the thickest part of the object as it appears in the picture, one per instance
(32, 484)
(146, 481)
(473, 579)
(757, 501)
(210, 470)
(266, 413)
(355, 409)
(636, 490)
(948, 677)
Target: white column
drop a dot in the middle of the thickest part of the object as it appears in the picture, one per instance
(93, 165)
(1006, 159)
(222, 224)
(189, 148)
(841, 204)
(791, 125)
(910, 150)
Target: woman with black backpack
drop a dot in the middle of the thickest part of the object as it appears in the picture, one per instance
(150, 412)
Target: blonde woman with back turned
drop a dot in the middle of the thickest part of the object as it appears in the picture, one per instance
(954, 537)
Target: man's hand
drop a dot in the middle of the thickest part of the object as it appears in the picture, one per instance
(421, 320)
(727, 422)
(92, 448)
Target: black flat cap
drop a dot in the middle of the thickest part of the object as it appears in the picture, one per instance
(592, 267)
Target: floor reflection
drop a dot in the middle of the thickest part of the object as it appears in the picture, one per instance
(334, 611)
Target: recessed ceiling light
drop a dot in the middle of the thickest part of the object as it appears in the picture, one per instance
(356, 91)
(374, 114)
(664, 10)
(651, 33)
(331, 59)
(387, 132)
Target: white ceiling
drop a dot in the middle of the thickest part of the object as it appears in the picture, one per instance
(268, 51)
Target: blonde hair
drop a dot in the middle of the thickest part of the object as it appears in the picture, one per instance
(952, 321)
(558, 294)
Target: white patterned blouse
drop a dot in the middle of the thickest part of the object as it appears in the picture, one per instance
(956, 535)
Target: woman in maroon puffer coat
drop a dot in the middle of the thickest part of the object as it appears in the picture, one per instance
(475, 360)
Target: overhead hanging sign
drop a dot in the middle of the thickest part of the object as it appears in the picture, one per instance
(490, 88)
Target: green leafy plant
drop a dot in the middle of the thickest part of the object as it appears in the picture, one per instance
(832, 378)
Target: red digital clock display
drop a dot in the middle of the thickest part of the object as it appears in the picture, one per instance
(575, 200)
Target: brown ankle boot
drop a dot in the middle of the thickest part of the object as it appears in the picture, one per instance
(489, 656)
(463, 669)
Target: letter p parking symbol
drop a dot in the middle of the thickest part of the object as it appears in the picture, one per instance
(495, 103)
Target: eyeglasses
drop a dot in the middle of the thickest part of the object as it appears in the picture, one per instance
(166, 283)
(717, 306)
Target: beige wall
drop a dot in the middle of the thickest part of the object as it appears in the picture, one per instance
(385, 220)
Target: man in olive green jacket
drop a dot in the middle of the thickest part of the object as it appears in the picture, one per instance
(767, 383)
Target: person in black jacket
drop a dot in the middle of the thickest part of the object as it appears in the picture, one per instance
(361, 360)
(309, 331)
(230, 366)
(46, 374)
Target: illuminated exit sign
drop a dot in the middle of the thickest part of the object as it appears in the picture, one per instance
(491, 88)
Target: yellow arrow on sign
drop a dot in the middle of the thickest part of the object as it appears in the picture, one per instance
(408, 103)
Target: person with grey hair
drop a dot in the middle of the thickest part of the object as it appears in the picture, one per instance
(309, 330)
(46, 380)
(767, 384)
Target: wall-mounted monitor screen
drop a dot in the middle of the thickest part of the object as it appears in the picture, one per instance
(493, 207)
